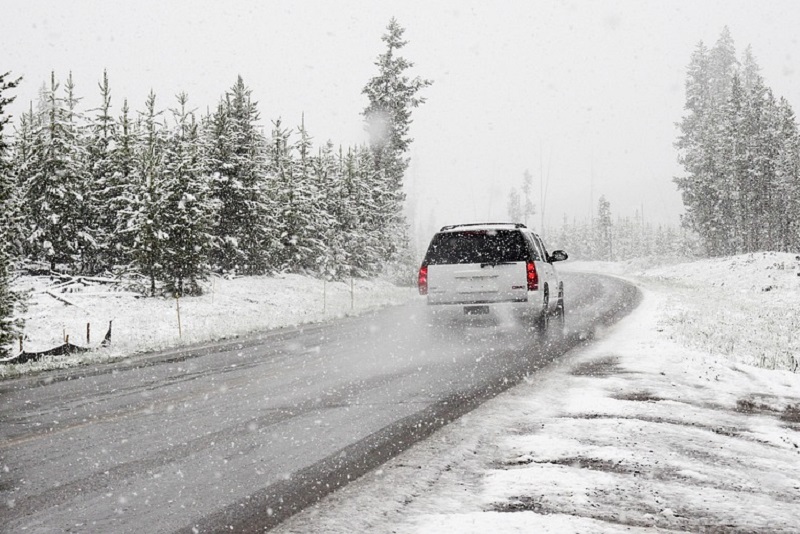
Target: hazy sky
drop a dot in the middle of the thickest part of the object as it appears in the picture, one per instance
(584, 94)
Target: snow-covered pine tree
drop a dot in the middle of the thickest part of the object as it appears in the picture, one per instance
(351, 218)
(785, 215)
(766, 142)
(520, 207)
(706, 187)
(281, 169)
(307, 220)
(295, 194)
(514, 207)
(10, 326)
(244, 228)
(145, 201)
(187, 208)
(55, 180)
(528, 209)
(86, 225)
(372, 247)
(123, 187)
(736, 148)
(16, 224)
(693, 128)
(104, 188)
(331, 208)
(722, 65)
(604, 230)
(392, 95)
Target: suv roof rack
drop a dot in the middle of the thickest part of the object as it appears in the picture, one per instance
(451, 226)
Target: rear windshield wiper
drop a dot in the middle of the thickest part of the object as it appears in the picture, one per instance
(496, 263)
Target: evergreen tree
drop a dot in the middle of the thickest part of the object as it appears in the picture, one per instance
(10, 327)
(359, 252)
(392, 96)
(603, 229)
(146, 201)
(723, 65)
(54, 182)
(514, 206)
(365, 246)
(693, 155)
(785, 218)
(331, 210)
(301, 215)
(186, 208)
(15, 222)
(283, 191)
(104, 187)
(122, 190)
(528, 209)
(737, 148)
(520, 206)
(237, 163)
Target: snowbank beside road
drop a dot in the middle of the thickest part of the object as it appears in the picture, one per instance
(643, 429)
(229, 307)
(746, 308)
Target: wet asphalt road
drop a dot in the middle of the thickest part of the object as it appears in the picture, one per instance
(245, 433)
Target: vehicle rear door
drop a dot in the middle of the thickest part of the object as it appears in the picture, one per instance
(477, 267)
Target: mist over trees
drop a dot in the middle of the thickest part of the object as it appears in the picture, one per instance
(170, 195)
(740, 149)
(608, 238)
(520, 206)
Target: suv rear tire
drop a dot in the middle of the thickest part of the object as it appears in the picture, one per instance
(542, 322)
(561, 319)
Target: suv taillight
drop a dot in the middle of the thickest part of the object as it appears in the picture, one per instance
(422, 281)
(533, 278)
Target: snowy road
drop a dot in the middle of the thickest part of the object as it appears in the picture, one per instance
(246, 433)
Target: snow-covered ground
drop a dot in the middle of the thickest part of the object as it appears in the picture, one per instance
(663, 423)
(229, 307)
(684, 416)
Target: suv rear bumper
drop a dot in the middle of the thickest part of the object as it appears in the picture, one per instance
(524, 310)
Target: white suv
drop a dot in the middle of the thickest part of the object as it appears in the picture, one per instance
(492, 269)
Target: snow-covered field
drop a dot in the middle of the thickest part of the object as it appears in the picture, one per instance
(663, 423)
(229, 307)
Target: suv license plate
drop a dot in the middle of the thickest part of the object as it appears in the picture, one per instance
(476, 310)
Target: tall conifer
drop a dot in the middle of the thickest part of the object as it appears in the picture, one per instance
(392, 95)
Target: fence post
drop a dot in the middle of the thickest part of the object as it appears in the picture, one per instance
(88, 333)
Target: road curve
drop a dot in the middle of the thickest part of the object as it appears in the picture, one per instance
(245, 433)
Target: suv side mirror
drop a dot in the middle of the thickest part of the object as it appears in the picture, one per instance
(558, 255)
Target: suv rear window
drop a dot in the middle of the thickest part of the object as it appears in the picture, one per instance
(479, 246)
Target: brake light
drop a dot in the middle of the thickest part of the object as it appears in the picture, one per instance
(533, 277)
(422, 281)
